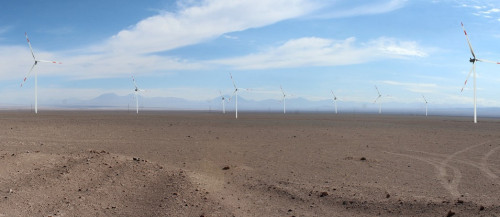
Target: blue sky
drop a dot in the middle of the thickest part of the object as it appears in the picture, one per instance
(187, 48)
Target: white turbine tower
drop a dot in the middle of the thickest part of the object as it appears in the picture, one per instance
(335, 102)
(33, 66)
(235, 93)
(377, 99)
(425, 104)
(136, 92)
(284, 99)
(223, 99)
(473, 61)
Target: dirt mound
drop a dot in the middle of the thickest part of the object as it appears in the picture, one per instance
(96, 183)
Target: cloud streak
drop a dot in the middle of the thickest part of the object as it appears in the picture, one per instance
(355, 8)
(207, 20)
(313, 51)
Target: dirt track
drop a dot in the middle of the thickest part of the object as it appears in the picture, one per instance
(209, 164)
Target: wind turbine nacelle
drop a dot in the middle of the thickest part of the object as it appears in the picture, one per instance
(472, 60)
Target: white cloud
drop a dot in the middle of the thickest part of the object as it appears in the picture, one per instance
(207, 20)
(355, 8)
(132, 50)
(313, 51)
(414, 87)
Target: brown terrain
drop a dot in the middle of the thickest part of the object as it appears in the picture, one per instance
(69, 163)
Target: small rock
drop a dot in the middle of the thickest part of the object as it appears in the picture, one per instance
(225, 168)
(323, 194)
(481, 208)
(450, 214)
(387, 195)
(363, 158)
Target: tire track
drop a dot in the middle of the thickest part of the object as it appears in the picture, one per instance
(453, 183)
(484, 163)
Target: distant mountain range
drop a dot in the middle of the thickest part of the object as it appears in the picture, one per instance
(293, 105)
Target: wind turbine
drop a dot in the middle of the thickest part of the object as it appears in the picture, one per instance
(136, 92)
(33, 66)
(425, 104)
(335, 101)
(223, 99)
(377, 99)
(235, 93)
(284, 99)
(473, 61)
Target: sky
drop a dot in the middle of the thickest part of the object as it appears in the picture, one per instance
(186, 49)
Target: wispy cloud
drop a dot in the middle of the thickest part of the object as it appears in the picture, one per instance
(486, 9)
(204, 21)
(4, 29)
(134, 50)
(359, 8)
(414, 87)
(313, 51)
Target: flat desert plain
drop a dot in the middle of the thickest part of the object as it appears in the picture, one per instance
(103, 163)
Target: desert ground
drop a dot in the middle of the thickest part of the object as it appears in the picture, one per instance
(115, 163)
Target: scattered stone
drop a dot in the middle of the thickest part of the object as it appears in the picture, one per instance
(290, 210)
(460, 202)
(136, 159)
(363, 158)
(225, 168)
(323, 194)
(450, 214)
(481, 208)
(387, 195)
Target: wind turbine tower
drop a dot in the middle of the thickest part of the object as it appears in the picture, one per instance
(377, 99)
(425, 100)
(223, 99)
(136, 92)
(335, 102)
(235, 93)
(284, 99)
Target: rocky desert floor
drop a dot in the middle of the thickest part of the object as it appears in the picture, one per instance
(104, 163)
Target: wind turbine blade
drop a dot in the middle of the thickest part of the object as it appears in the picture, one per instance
(334, 97)
(377, 99)
(468, 76)
(378, 91)
(29, 43)
(470, 46)
(234, 84)
(282, 91)
(487, 61)
(424, 98)
(28, 74)
(49, 61)
(133, 80)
